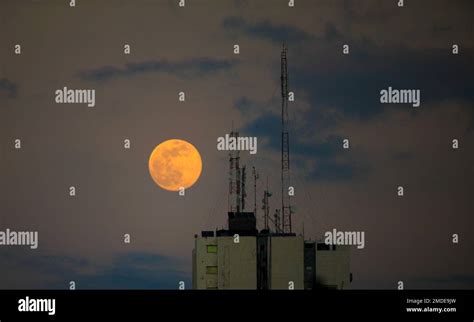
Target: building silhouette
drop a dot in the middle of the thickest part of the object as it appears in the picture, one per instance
(243, 258)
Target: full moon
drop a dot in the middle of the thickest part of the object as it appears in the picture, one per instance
(175, 164)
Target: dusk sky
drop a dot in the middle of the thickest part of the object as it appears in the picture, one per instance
(191, 49)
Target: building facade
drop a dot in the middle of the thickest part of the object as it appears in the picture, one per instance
(243, 258)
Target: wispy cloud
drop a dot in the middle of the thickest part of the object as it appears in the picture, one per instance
(197, 67)
(133, 270)
(276, 33)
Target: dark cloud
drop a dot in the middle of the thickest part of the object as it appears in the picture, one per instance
(277, 33)
(138, 271)
(349, 89)
(267, 126)
(459, 281)
(329, 161)
(8, 88)
(280, 33)
(197, 67)
(133, 270)
(375, 12)
(332, 33)
(47, 264)
(348, 169)
(245, 104)
(351, 84)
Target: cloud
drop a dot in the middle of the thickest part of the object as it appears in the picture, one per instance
(280, 33)
(245, 104)
(133, 270)
(352, 84)
(276, 33)
(197, 67)
(335, 170)
(266, 126)
(455, 281)
(8, 88)
(324, 159)
(138, 270)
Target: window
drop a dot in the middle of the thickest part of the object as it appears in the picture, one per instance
(212, 249)
(322, 246)
(211, 269)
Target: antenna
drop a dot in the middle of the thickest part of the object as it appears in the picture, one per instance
(276, 220)
(243, 191)
(234, 178)
(266, 206)
(255, 178)
(285, 147)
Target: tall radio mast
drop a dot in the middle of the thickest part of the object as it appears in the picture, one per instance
(235, 194)
(285, 147)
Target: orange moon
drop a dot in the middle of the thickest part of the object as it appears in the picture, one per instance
(175, 164)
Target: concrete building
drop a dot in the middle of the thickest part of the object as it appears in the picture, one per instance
(333, 266)
(205, 263)
(220, 263)
(243, 258)
(286, 262)
(237, 263)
